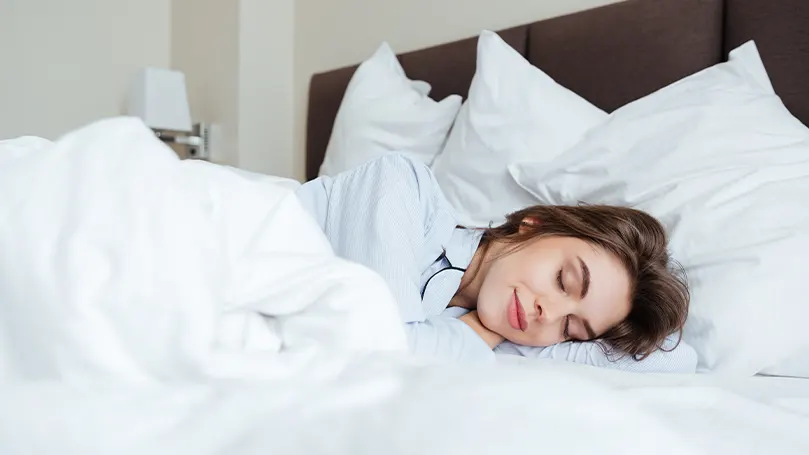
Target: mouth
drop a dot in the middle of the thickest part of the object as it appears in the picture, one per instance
(516, 314)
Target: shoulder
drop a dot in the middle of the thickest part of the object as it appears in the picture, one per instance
(400, 175)
(399, 168)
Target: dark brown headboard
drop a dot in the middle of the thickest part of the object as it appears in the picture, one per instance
(610, 55)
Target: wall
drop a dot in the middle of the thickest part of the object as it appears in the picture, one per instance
(265, 86)
(238, 61)
(330, 34)
(205, 46)
(67, 63)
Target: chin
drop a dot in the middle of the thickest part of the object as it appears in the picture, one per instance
(509, 335)
(521, 342)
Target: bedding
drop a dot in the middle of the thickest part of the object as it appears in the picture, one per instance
(715, 413)
(514, 112)
(120, 262)
(385, 406)
(722, 163)
(153, 305)
(383, 111)
(796, 365)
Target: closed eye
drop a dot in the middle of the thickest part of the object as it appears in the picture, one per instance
(560, 282)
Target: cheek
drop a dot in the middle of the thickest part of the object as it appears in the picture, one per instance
(487, 300)
(617, 312)
(493, 297)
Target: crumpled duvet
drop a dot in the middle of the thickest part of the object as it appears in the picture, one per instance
(120, 261)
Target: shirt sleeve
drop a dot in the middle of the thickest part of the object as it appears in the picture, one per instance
(381, 215)
(442, 337)
(680, 359)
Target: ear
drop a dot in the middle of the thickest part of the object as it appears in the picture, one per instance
(528, 222)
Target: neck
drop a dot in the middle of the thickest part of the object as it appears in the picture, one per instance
(467, 295)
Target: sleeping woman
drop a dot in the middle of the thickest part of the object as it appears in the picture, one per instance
(588, 284)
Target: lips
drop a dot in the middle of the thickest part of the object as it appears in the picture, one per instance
(516, 314)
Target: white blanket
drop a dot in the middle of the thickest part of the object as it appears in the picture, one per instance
(120, 261)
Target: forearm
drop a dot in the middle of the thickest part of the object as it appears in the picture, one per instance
(446, 338)
(682, 359)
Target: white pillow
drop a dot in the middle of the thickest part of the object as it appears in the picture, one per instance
(719, 159)
(514, 112)
(384, 112)
(796, 366)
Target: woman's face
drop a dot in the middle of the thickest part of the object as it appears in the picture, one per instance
(552, 290)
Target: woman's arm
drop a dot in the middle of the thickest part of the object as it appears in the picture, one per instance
(441, 337)
(680, 359)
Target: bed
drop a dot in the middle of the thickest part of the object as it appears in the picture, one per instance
(155, 305)
(612, 56)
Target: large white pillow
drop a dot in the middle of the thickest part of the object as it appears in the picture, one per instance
(514, 112)
(719, 159)
(385, 112)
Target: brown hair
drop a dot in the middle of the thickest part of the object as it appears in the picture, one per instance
(659, 291)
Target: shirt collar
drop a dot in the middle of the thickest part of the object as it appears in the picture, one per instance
(462, 246)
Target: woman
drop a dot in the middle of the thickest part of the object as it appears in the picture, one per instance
(546, 283)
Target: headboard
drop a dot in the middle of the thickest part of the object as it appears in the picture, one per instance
(610, 55)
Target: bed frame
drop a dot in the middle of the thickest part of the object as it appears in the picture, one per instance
(610, 55)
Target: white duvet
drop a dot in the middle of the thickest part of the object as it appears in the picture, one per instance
(152, 305)
(120, 261)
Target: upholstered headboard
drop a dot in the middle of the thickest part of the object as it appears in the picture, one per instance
(610, 55)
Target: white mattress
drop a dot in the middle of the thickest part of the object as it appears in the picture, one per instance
(386, 408)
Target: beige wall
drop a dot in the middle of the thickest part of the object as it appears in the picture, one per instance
(205, 46)
(329, 33)
(66, 63)
(237, 58)
(266, 86)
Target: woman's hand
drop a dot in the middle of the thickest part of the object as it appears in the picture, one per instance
(472, 320)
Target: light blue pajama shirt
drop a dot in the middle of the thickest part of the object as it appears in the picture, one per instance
(391, 216)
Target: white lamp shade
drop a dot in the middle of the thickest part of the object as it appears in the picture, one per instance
(158, 96)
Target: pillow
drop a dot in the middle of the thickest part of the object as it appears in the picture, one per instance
(722, 163)
(383, 112)
(514, 112)
(796, 365)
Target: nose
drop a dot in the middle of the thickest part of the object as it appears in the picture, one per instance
(552, 309)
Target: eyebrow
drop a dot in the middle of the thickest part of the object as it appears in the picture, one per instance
(585, 286)
(585, 277)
